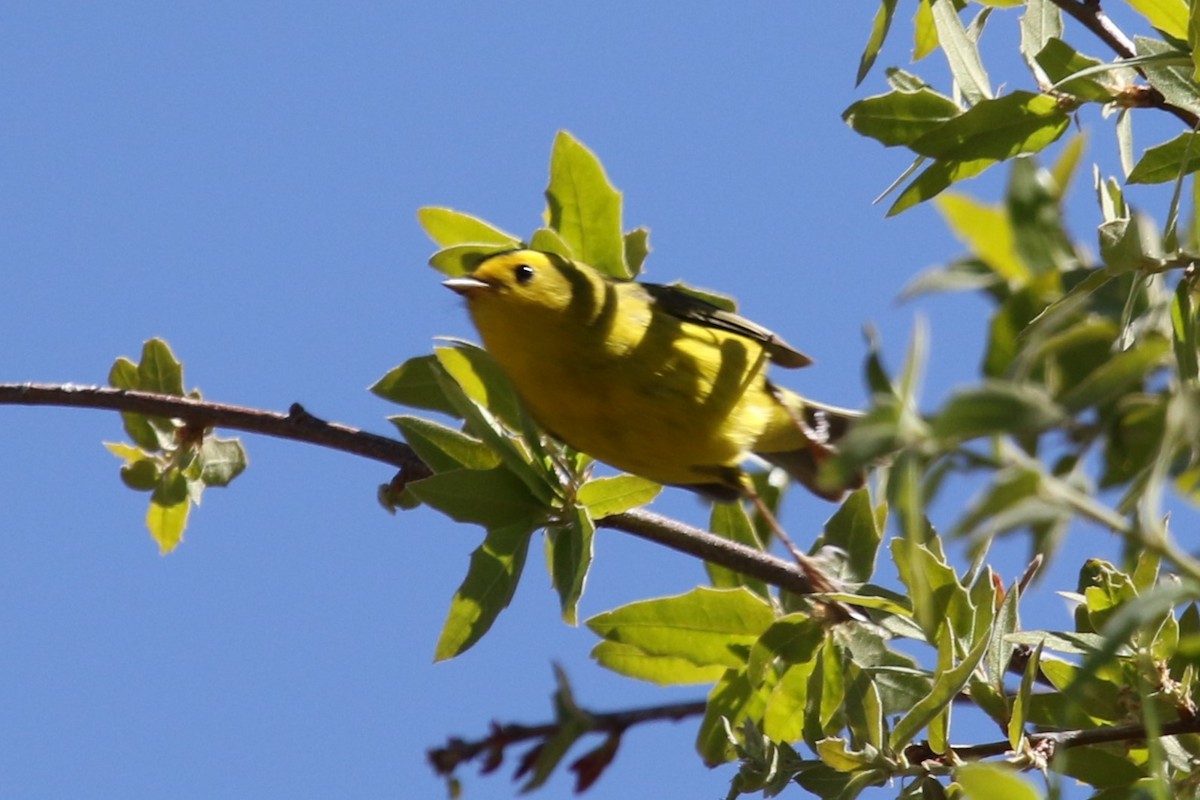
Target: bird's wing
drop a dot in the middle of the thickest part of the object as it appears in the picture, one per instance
(688, 307)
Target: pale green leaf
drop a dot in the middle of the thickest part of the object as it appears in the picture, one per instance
(585, 208)
(900, 117)
(705, 626)
(633, 662)
(448, 227)
(987, 231)
(1169, 16)
(604, 497)
(167, 523)
(993, 782)
(961, 52)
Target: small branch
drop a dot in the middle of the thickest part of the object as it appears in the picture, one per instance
(1050, 741)
(1090, 15)
(299, 425)
(458, 751)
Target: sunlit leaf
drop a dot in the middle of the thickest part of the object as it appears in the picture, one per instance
(585, 208)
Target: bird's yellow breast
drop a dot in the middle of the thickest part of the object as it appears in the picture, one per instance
(634, 387)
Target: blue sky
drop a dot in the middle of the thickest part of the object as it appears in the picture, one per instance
(241, 179)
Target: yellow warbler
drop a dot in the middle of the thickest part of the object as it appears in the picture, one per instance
(645, 377)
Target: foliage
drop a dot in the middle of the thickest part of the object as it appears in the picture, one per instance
(1086, 412)
(170, 459)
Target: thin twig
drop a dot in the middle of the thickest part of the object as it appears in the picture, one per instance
(1090, 15)
(459, 751)
(299, 425)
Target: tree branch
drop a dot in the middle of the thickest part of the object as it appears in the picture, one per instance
(1090, 15)
(457, 751)
(301, 426)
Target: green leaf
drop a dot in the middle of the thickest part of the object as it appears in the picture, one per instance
(637, 247)
(1169, 16)
(487, 589)
(925, 37)
(1120, 373)
(879, 31)
(1168, 161)
(1041, 22)
(992, 782)
(783, 718)
(1193, 38)
(572, 723)
(494, 498)
(946, 687)
(1185, 335)
(730, 521)
(159, 370)
(1000, 651)
(988, 232)
(604, 497)
(443, 448)
(526, 459)
(449, 228)
(961, 52)
(792, 639)
(167, 524)
(1033, 201)
(855, 529)
(462, 259)
(1021, 122)
(1016, 725)
(549, 241)
(585, 208)
(730, 702)
(569, 553)
(935, 178)
(633, 662)
(1167, 73)
(414, 383)
(938, 598)
(705, 626)
(124, 375)
(221, 460)
(900, 118)
(1061, 63)
(482, 380)
(864, 710)
(142, 475)
(995, 408)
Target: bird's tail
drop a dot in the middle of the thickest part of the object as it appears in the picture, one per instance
(803, 438)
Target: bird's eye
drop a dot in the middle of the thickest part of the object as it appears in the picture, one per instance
(523, 273)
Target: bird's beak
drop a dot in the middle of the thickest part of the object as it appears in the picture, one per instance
(465, 286)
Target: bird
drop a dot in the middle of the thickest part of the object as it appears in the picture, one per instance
(649, 378)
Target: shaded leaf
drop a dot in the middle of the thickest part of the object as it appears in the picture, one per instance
(491, 580)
